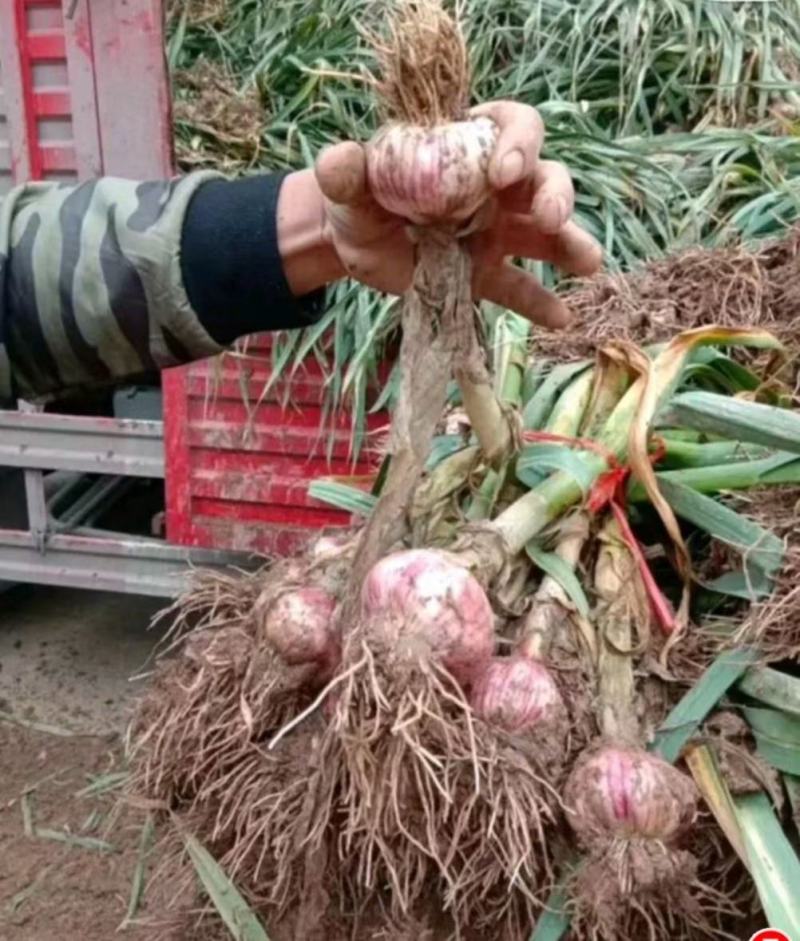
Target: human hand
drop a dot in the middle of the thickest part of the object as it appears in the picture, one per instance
(529, 216)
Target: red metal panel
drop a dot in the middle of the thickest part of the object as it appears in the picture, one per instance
(238, 473)
(271, 514)
(255, 538)
(128, 51)
(52, 104)
(266, 488)
(232, 381)
(176, 450)
(33, 56)
(46, 44)
(266, 439)
(99, 63)
(35, 15)
(17, 86)
(82, 89)
(56, 158)
(240, 422)
(250, 466)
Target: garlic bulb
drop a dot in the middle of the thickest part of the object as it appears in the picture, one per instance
(619, 792)
(432, 174)
(516, 693)
(422, 605)
(300, 626)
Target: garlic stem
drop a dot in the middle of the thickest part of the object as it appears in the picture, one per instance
(551, 604)
(570, 407)
(582, 409)
(483, 500)
(620, 605)
(429, 311)
(510, 347)
(510, 353)
(489, 420)
(528, 516)
(491, 423)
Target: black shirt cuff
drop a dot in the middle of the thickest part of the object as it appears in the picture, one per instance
(231, 266)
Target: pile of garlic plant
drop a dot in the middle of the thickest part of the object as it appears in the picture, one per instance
(620, 547)
(439, 723)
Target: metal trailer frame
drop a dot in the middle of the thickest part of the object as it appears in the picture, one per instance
(64, 548)
(84, 93)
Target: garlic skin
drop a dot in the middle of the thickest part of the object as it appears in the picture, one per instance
(432, 174)
(517, 694)
(617, 792)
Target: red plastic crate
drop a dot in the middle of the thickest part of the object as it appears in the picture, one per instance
(238, 468)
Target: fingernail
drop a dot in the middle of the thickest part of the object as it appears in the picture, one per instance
(557, 316)
(511, 168)
(583, 253)
(551, 213)
(563, 210)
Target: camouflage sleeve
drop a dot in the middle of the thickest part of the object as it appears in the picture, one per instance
(91, 289)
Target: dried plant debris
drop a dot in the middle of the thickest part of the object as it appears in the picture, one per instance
(219, 124)
(736, 286)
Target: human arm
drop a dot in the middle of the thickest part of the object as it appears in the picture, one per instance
(112, 279)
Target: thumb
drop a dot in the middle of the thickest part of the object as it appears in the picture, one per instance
(351, 211)
(341, 172)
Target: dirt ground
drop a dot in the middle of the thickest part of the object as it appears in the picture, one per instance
(68, 857)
